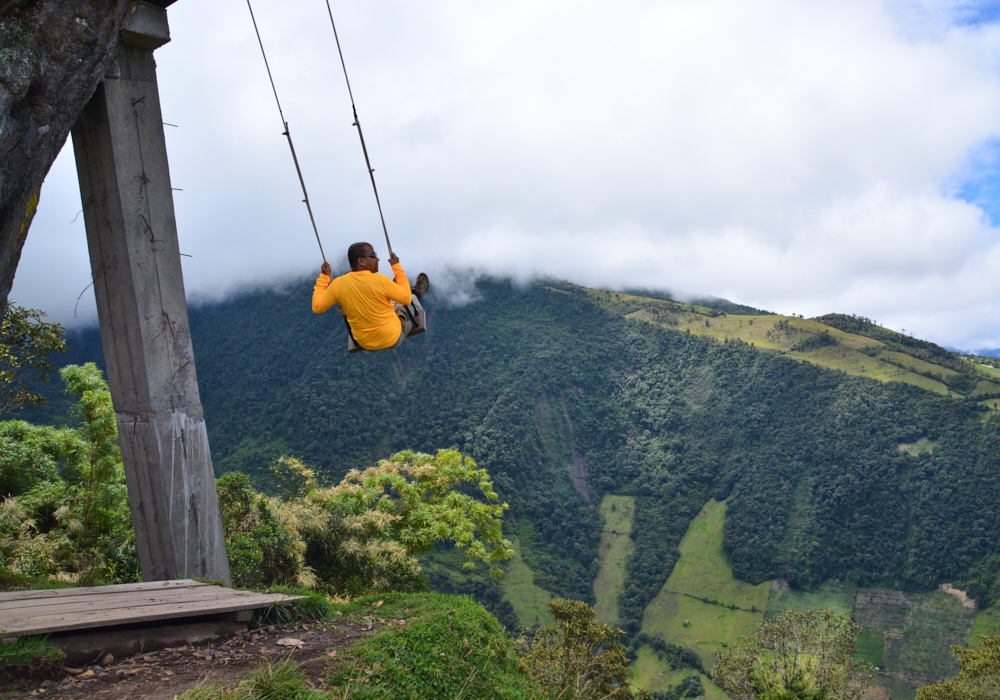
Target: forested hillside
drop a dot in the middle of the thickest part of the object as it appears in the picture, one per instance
(565, 395)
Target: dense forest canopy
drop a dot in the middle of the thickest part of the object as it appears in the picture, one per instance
(564, 400)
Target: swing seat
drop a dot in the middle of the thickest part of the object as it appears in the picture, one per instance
(419, 326)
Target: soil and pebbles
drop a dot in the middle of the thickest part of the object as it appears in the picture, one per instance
(169, 672)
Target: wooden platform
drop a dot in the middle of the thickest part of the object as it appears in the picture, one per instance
(68, 609)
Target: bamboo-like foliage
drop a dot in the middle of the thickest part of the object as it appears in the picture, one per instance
(796, 656)
(978, 679)
(66, 509)
(361, 535)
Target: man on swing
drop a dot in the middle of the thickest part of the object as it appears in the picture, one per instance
(380, 312)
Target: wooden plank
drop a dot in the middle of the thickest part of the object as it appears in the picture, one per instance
(10, 596)
(82, 605)
(65, 622)
(123, 598)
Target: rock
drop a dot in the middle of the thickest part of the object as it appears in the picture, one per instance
(291, 642)
(97, 669)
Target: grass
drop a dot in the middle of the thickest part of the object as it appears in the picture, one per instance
(278, 681)
(450, 647)
(530, 601)
(654, 675)
(987, 623)
(616, 547)
(703, 570)
(831, 594)
(992, 372)
(703, 573)
(33, 653)
(853, 354)
(871, 647)
(309, 606)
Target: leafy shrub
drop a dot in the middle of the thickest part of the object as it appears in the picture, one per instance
(362, 534)
(262, 551)
(978, 679)
(578, 658)
(807, 655)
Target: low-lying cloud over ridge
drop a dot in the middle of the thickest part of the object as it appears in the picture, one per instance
(802, 157)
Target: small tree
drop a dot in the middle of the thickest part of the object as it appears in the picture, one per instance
(27, 344)
(796, 656)
(978, 679)
(579, 658)
(66, 512)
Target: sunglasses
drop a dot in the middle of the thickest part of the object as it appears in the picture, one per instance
(370, 255)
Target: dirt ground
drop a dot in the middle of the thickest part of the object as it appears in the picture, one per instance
(164, 674)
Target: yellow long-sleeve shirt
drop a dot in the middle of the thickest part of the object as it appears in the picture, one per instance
(366, 299)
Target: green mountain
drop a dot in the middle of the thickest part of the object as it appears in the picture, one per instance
(841, 449)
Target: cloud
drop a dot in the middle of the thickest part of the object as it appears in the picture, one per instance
(799, 156)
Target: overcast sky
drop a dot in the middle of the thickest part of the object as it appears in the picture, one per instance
(800, 156)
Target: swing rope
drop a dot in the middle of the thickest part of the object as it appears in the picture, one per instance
(357, 123)
(288, 134)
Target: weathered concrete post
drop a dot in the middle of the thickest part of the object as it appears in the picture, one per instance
(121, 159)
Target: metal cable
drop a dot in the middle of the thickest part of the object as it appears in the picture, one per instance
(287, 133)
(357, 123)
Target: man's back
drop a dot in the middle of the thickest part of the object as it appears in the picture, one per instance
(366, 299)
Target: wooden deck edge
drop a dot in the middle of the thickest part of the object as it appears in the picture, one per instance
(276, 599)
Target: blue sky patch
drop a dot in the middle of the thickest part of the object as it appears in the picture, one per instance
(979, 182)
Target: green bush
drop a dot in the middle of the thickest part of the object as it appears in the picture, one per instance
(66, 515)
(262, 552)
(449, 647)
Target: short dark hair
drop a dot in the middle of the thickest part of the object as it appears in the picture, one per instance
(354, 252)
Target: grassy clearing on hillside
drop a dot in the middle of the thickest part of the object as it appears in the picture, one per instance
(703, 570)
(992, 372)
(796, 337)
(703, 574)
(986, 387)
(918, 448)
(831, 594)
(616, 547)
(859, 364)
(987, 623)
(530, 601)
(915, 631)
(654, 675)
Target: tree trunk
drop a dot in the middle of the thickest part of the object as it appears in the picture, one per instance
(53, 54)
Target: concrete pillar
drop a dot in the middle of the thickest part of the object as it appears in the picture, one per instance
(121, 159)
